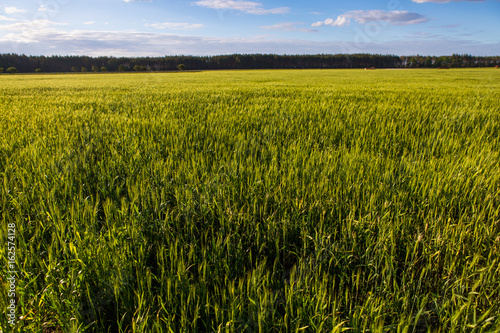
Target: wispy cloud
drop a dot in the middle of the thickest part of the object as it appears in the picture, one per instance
(249, 7)
(176, 26)
(445, 1)
(89, 22)
(288, 26)
(48, 39)
(51, 7)
(396, 17)
(138, 0)
(29, 31)
(5, 18)
(424, 35)
(13, 10)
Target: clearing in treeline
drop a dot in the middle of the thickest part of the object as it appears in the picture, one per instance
(252, 201)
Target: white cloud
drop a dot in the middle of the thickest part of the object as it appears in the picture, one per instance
(28, 31)
(5, 18)
(341, 21)
(365, 16)
(13, 10)
(138, 0)
(47, 38)
(444, 1)
(176, 26)
(288, 26)
(89, 22)
(248, 7)
(50, 7)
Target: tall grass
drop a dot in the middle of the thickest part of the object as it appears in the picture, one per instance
(253, 201)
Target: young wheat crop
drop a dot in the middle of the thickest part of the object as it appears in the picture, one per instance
(252, 201)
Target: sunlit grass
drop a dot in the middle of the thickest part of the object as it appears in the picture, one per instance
(245, 201)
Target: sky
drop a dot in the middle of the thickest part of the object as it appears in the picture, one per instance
(133, 28)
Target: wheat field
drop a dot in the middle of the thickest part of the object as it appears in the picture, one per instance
(251, 201)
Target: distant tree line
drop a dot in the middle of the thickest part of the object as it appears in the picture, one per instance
(27, 64)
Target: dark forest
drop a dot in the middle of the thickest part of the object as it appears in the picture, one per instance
(54, 64)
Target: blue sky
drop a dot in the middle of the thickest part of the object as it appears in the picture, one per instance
(211, 27)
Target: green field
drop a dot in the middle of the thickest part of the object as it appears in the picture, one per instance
(252, 201)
